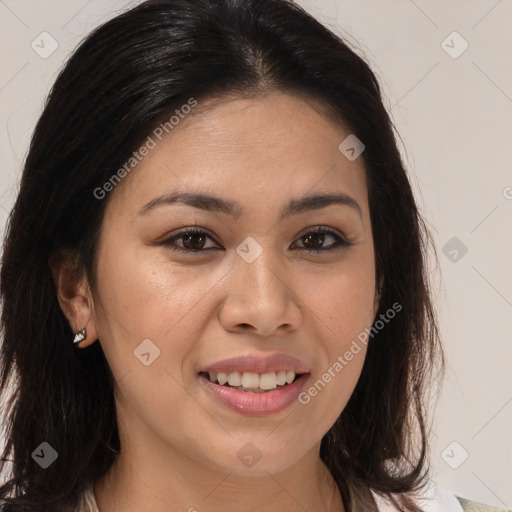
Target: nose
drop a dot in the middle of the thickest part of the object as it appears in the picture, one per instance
(261, 299)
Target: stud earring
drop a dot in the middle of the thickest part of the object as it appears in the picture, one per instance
(80, 336)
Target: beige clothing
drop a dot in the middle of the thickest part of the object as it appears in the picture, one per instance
(88, 502)
(438, 500)
(473, 506)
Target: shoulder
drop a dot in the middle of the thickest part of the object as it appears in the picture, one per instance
(473, 506)
(435, 498)
(86, 502)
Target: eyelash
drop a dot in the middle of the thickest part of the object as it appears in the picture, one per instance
(340, 242)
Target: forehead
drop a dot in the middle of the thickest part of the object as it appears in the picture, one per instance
(255, 148)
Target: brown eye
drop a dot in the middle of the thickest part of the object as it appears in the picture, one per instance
(193, 241)
(314, 239)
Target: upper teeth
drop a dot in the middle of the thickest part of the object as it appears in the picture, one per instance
(253, 380)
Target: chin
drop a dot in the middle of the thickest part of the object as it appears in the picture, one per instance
(255, 457)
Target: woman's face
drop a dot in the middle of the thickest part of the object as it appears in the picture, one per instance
(252, 285)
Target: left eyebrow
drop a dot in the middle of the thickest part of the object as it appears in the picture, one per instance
(319, 201)
(216, 204)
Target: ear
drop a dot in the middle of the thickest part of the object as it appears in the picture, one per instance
(74, 295)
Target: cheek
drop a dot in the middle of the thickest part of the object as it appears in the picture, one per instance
(148, 322)
(345, 311)
(343, 299)
(142, 298)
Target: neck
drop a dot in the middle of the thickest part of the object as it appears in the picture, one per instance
(151, 476)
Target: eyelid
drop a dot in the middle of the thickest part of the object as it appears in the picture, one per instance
(342, 241)
(191, 229)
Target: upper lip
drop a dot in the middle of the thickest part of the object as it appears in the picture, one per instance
(257, 364)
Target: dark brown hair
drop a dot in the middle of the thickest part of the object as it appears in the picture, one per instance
(118, 84)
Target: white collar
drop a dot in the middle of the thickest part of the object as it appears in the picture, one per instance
(435, 499)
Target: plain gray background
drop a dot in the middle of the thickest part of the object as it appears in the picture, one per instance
(450, 96)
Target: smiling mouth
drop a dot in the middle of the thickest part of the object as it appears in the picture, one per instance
(251, 382)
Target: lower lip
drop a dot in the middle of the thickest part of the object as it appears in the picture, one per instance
(256, 404)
